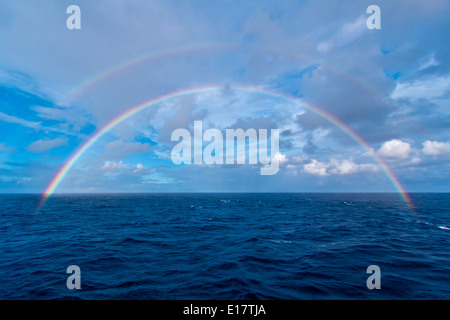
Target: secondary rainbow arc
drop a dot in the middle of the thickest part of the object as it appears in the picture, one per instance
(157, 54)
(135, 61)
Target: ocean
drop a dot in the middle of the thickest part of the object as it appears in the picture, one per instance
(225, 246)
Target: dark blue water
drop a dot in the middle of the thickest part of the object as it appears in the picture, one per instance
(225, 246)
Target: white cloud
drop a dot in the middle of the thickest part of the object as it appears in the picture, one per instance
(435, 148)
(40, 146)
(337, 167)
(345, 167)
(349, 32)
(429, 61)
(113, 166)
(395, 149)
(71, 116)
(29, 124)
(415, 160)
(316, 168)
(116, 168)
(281, 158)
(11, 119)
(139, 169)
(15, 179)
(430, 88)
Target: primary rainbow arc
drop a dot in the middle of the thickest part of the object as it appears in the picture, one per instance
(134, 110)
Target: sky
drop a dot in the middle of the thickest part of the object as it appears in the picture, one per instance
(59, 87)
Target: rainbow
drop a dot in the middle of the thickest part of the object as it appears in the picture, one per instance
(158, 54)
(136, 109)
(135, 61)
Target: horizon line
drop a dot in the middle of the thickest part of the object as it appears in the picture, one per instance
(232, 192)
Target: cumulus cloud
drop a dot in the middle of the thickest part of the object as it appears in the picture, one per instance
(116, 168)
(139, 169)
(40, 146)
(113, 166)
(415, 160)
(316, 168)
(337, 167)
(395, 149)
(346, 167)
(280, 158)
(435, 148)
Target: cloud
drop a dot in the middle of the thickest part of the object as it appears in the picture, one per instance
(395, 149)
(349, 32)
(15, 179)
(113, 166)
(40, 146)
(316, 168)
(116, 168)
(415, 161)
(29, 124)
(139, 169)
(337, 167)
(68, 116)
(429, 88)
(346, 167)
(281, 158)
(4, 148)
(427, 62)
(435, 148)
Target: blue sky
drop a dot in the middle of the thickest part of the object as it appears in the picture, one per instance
(391, 86)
